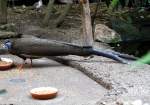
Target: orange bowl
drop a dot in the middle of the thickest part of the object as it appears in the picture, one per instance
(5, 63)
(44, 93)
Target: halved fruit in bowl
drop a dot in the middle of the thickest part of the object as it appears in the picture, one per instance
(44, 93)
(5, 63)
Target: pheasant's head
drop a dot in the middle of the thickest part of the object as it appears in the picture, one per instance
(7, 44)
(5, 47)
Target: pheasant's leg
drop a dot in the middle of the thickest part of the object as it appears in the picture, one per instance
(31, 63)
(20, 66)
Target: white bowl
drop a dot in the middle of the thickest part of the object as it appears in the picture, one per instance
(5, 63)
(44, 92)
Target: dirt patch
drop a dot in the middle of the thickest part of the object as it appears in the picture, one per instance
(29, 21)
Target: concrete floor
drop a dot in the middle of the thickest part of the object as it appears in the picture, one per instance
(126, 82)
(75, 88)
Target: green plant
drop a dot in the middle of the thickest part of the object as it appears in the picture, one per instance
(130, 3)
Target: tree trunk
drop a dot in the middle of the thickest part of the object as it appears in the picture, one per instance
(93, 17)
(3, 11)
(61, 18)
(87, 35)
(48, 12)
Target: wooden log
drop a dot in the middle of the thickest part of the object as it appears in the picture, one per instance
(3, 11)
(61, 18)
(48, 14)
(8, 34)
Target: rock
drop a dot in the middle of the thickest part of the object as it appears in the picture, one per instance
(104, 34)
(28, 36)
(136, 102)
(23, 7)
(4, 35)
(66, 1)
(20, 11)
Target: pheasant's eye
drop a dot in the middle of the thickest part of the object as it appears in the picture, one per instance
(7, 41)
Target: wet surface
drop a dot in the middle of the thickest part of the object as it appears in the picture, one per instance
(17, 80)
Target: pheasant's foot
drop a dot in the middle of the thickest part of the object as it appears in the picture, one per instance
(89, 57)
(20, 67)
(31, 63)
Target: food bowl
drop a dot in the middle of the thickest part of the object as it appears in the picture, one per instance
(44, 93)
(5, 63)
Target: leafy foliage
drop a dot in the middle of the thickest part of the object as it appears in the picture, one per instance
(129, 3)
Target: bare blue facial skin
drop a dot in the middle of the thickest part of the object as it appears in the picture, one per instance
(7, 44)
(5, 47)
